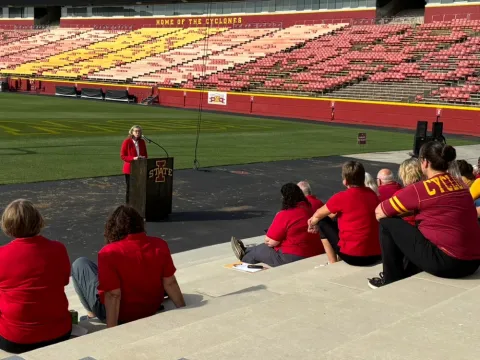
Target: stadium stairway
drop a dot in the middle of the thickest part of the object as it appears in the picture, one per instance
(304, 310)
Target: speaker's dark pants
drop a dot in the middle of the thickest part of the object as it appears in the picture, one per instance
(329, 230)
(127, 181)
(403, 245)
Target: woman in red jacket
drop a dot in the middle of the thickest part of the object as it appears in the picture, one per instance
(133, 148)
(33, 274)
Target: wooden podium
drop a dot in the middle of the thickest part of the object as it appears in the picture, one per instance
(151, 187)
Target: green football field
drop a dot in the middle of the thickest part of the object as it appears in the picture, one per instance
(48, 138)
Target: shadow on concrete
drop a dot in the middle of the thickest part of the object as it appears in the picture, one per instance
(92, 325)
(247, 290)
(215, 215)
(191, 300)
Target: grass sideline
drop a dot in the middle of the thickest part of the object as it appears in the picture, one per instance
(47, 138)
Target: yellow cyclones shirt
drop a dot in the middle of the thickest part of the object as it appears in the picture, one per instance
(475, 189)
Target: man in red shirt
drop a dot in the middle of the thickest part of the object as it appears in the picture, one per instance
(387, 186)
(134, 271)
(312, 199)
(447, 241)
(355, 238)
(287, 239)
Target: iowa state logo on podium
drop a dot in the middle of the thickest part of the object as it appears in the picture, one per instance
(161, 171)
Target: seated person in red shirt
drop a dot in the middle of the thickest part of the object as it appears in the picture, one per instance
(387, 186)
(466, 172)
(312, 199)
(447, 240)
(371, 183)
(410, 172)
(287, 239)
(355, 238)
(134, 271)
(33, 274)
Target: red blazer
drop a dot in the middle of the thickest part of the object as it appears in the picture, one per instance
(128, 152)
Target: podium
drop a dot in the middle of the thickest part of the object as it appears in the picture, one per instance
(151, 187)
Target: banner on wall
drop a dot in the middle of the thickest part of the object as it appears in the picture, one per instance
(217, 98)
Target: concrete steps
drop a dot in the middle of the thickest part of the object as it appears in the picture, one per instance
(304, 310)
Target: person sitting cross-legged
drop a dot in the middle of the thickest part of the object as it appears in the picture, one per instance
(134, 271)
(447, 240)
(354, 238)
(287, 238)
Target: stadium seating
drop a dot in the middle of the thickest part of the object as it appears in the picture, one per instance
(38, 40)
(215, 43)
(61, 50)
(429, 63)
(54, 48)
(8, 36)
(277, 41)
(111, 52)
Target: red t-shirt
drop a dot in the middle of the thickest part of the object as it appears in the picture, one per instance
(33, 275)
(445, 213)
(136, 265)
(290, 227)
(316, 203)
(357, 224)
(388, 190)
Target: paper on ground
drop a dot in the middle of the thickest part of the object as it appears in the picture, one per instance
(243, 267)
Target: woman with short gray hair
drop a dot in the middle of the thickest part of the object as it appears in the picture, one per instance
(133, 148)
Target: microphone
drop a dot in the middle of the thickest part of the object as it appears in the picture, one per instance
(147, 139)
(150, 141)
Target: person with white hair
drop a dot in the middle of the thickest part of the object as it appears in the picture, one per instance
(133, 148)
(312, 199)
(387, 186)
(371, 183)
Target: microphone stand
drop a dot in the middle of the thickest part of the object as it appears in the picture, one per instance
(160, 146)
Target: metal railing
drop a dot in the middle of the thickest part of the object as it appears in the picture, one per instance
(450, 17)
(260, 25)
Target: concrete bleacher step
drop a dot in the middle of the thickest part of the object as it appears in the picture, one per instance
(303, 310)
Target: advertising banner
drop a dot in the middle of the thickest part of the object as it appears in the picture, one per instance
(217, 98)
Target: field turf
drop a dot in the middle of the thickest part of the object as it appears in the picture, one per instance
(47, 138)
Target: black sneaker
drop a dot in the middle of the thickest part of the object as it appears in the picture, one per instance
(376, 282)
(238, 248)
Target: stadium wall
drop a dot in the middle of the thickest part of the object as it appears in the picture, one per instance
(446, 12)
(457, 120)
(240, 20)
(10, 24)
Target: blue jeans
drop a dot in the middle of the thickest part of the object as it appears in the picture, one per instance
(85, 282)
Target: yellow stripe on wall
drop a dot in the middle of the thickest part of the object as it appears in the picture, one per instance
(352, 101)
(452, 107)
